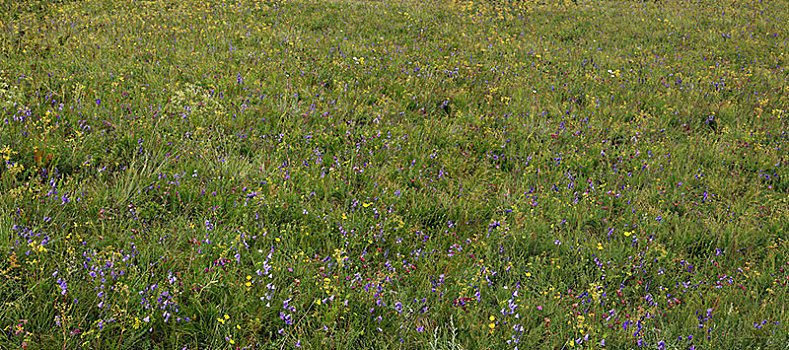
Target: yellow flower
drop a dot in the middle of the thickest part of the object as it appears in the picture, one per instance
(492, 325)
(492, 318)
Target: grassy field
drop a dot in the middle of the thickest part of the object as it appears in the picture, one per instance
(254, 174)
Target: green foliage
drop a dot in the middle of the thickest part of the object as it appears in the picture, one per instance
(410, 175)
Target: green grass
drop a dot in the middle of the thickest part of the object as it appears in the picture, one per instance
(406, 175)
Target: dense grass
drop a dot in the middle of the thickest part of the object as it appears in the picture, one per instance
(409, 175)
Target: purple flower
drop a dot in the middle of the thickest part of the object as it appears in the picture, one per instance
(399, 307)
